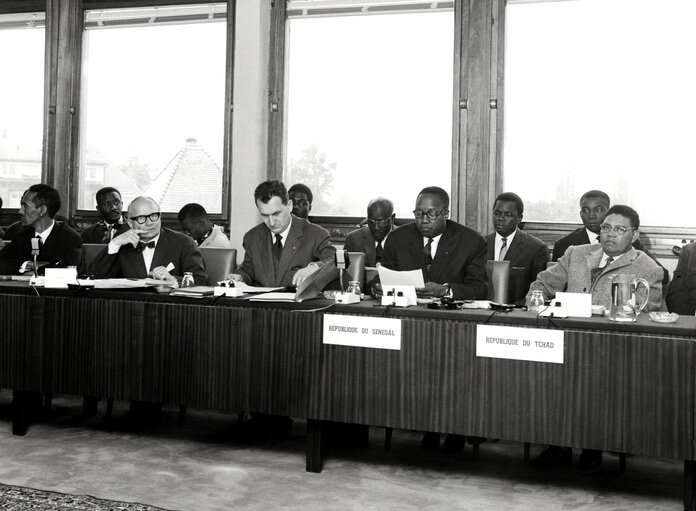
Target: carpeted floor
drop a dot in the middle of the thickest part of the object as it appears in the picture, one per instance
(17, 498)
(200, 465)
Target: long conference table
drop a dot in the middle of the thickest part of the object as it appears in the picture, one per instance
(622, 387)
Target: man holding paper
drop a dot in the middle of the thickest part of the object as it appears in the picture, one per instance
(282, 250)
(451, 256)
(149, 250)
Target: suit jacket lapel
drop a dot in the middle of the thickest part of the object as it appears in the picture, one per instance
(369, 246)
(444, 248)
(159, 258)
(293, 241)
(264, 244)
(516, 246)
(133, 260)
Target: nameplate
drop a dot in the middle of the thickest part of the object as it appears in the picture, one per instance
(516, 343)
(362, 331)
(60, 277)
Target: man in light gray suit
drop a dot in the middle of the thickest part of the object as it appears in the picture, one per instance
(283, 250)
(588, 268)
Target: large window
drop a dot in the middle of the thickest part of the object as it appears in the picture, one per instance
(153, 108)
(21, 104)
(600, 94)
(368, 103)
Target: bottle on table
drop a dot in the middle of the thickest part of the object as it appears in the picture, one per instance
(536, 302)
(187, 280)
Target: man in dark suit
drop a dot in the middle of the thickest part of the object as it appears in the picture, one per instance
(283, 250)
(59, 245)
(370, 239)
(527, 254)
(302, 198)
(148, 249)
(451, 256)
(681, 296)
(109, 206)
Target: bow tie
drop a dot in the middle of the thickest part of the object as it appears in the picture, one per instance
(142, 246)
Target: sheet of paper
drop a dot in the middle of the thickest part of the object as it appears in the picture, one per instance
(400, 278)
(273, 297)
(127, 283)
(246, 288)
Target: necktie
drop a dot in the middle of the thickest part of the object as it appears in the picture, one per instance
(503, 249)
(428, 255)
(107, 233)
(277, 250)
(595, 272)
(379, 252)
(142, 246)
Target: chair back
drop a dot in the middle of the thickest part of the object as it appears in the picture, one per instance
(356, 268)
(219, 262)
(89, 252)
(498, 279)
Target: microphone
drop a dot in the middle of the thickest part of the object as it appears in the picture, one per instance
(35, 253)
(342, 262)
(35, 246)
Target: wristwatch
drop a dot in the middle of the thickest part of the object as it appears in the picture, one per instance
(449, 293)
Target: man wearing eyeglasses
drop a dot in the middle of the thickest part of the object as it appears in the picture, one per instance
(587, 268)
(149, 250)
(370, 239)
(593, 208)
(451, 256)
(527, 254)
(109, 206)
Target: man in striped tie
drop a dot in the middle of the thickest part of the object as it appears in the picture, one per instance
(588, 268)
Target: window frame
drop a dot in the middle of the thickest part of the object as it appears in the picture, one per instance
(11, 215)
(476, 124)
(82, 217)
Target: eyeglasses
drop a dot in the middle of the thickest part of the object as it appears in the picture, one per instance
(378, 223)
(431, 213)
(141, 219)
(616, 229)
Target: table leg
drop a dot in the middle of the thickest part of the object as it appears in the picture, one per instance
(19, 412)
(314, 461)
(689, 486)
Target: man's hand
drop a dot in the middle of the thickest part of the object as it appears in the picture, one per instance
(303, 273)
(130, 236)
(235, 277)
(431, 289)
(161, 273)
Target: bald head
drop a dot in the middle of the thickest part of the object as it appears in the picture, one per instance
(144, 217)
(380, 203)
(380, 217)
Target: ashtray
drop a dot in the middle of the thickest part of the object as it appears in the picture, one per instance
(663, 317)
